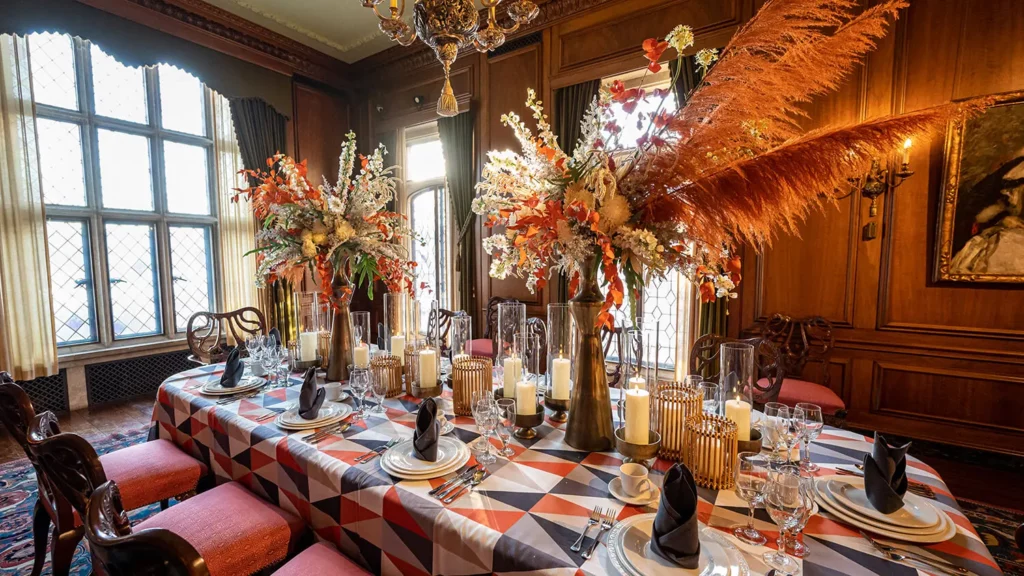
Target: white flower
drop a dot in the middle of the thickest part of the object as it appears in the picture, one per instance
(334, 205)
(680, 38)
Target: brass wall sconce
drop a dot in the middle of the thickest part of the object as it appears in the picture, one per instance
(877, 181)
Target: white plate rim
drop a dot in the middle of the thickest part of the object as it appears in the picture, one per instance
(333, 410)
(458, 447)
(283, 426)
(825, 494)
(857, 483)
(430, 476)
(943, 536)
(616, 553)
(219, 391)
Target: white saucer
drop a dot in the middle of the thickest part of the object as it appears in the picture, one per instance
(650, 497)
(448, 427)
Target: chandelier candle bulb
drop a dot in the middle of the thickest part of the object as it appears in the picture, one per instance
(638, 415)
(308, 342)
(526, 397)
(361, 355)
(398, 348)
(428, 369)
(738, 411)
(560, 368)
(513, 371)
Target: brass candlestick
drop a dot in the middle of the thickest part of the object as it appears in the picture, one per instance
(639, 453)
(525, 423)
(559, 407)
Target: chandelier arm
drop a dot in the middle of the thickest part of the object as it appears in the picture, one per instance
(407, 40)
(379, 15)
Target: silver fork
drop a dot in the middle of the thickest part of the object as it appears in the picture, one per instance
(606, 524)
(900, 555)
(595, 517)
(376, 452)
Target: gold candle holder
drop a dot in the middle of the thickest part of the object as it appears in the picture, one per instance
(711, 451)
(389, 369)
(323, 345)
(469, 375)
(673, 403)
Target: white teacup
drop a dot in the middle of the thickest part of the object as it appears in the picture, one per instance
(333, 390)
(634, 479)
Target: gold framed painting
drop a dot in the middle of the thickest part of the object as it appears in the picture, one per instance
(980, 222)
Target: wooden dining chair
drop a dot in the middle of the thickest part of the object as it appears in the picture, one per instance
(207, 333)
(614, 347)
(801, 342)
(704, 362)
(488, 345)
(444, 327)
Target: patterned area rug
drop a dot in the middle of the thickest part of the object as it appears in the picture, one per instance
(18, 495)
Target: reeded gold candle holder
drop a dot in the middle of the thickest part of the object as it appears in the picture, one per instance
(711, 451)
(387, 368)
(672, 404)
(469, 375)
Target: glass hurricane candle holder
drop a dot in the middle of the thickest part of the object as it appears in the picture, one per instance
(737, 376)
(511, 325)
(640, 357)
(396, 314)
(461, 334)
(559, 375)
(361, 339)
(307, 323)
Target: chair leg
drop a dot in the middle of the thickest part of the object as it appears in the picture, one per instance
(63, 550)
(41, 535)
(164, 504)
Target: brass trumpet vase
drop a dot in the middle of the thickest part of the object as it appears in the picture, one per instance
(341, 330)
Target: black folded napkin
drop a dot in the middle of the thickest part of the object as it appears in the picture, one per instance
(310, 398)
(424, 439)
(885, 475)
(676, 533)
(233, 369)
(276, 335)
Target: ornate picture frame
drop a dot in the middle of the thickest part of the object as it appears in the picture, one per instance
(980, 231)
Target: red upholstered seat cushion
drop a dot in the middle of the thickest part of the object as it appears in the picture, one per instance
(481, 347)
(795, 391)
(236, 532)
(152, 471)
(320, 560)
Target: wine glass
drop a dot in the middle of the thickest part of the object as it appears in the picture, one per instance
(506, 421)
(484, 414)
(809, 423)
(269, 360)
(359, 382)
(712, 397)
(787, 500)
(282, 365)
(771, 428)
(692, 381)
(379, 389)
(795, 546)
(751, 477)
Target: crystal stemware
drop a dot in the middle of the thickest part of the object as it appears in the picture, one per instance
(787, 500)
(775, 415)
(795, 545)
(809, 423)
(751, 478)
(712, 397)
(485, 415)
(359, 382)
(506, 421)
(269, 360)
(378, 389)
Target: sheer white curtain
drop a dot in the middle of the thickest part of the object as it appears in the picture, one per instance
(235, 220)
(28, 346)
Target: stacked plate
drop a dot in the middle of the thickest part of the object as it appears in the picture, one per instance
(244, 385)
(629, 549)
(401, 462)
(917, 521)
(329, 414)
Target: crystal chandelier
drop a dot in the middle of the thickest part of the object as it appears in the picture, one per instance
(448, 25)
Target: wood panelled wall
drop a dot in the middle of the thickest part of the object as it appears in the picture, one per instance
(934, 361)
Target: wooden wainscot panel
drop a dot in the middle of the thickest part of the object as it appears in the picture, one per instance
(979, 399)
(321, 119)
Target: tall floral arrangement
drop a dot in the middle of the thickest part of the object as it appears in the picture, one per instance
(731, 166)
(331, 228)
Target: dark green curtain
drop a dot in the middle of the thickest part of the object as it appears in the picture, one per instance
(457, 142)
(712, 318)
(571, 103)
(260, 130)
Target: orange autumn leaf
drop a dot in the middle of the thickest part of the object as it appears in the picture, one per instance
(707, 292)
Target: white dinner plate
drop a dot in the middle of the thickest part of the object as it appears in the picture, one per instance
(402, 456)
(915, 513)
(949, 527)
(822, 493)
(630, 552)
(244, 385)
(307, 425)
(329, 413)
(458, 463)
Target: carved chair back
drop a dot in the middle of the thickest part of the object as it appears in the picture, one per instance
(491, 329)
(704, 361)
(68, 461)
(120, 552)
(614, 344)
(445, 326)
(207, 332)
(801, 341)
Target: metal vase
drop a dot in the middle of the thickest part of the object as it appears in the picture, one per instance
(590, 416)
(341, 330)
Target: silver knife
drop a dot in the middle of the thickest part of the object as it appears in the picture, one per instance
(465, 474)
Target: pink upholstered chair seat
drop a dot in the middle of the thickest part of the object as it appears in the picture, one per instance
(481, 347)
(795, 391)
(152, 471)
(320, 560)
(235, 532)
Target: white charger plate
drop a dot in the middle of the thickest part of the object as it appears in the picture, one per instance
(290, 419)
(915, 513)
(460, 462)
(948, 531)
(244, 385)
(402, 457)
(630, 552)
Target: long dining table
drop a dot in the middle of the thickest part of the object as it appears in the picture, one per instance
(521, 519)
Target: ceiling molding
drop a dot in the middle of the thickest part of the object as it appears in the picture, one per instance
(316, 37)
(225, 32)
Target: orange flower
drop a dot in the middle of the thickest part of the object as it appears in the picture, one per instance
(707, 292)
(734, 267)
(652, 51)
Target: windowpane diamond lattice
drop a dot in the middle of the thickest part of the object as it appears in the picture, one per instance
(190, 272)
(660, 306)
(133, 279)
(423, 221)
(120, 91)
(52, 65)
(181, 101)
(125, 171)
(188, 189)
(60, 162)
(70, 281)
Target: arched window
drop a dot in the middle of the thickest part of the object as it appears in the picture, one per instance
(426, 204)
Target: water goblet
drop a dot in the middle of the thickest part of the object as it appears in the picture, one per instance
(692, 381)
(809, 422)
(269, 360)
(378, 389)
(751, 478)
(787, 501)
(774, 414)
(282, 365)
(506, 421)
(712, 397)
(359, 382)
(484, 414)
(795, 545)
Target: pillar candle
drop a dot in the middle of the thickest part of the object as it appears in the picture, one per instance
(512, 373)
(398, 348)
(307, 346)
(428, 369)
(739, 412)
(560, 368)
(637, 382)
(526, 397)
(638, 416)
(361, 355)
